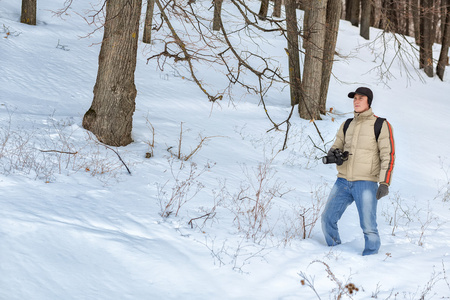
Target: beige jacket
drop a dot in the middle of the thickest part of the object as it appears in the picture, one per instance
(368, 160)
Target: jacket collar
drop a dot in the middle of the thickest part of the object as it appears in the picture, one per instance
(364, 114)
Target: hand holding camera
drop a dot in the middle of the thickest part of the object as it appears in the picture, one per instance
(335, 156)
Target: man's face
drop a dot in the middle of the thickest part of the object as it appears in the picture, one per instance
(360, 103)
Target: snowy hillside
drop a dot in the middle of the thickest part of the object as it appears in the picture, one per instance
(74, 224)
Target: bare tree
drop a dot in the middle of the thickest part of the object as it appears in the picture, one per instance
(366, 10)
(334, 9)
(111, 113)
(352, 11)
(263, 9)
(147, 36)
(391, 16)
(217, 12)
(443, 57)
(277, 8)
(375, 15)
(402, 17)
(443, 12)
(293, 51)
(314, 40)
(415, 10)
(426, 53)
(436, 15)
(28, 15)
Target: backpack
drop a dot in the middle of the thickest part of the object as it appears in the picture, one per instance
(376, 127)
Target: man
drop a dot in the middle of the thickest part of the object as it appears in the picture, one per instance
(369, 161)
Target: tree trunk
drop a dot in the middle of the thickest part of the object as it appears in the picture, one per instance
(427, 44)
(348, 8)
(352, 11)
(309, 107)
(111, 113)
(376, 14)
(334, 9)
(392, 16)
(293, 51)
(403, 17)
(277, 8)
(366, 9)
(217, 14)
(443, 57)
(443, 17)
(28, 15)
(147, 37)
(434, 20)
(263, 9)
(421, 34)
(416, 19)
(306, 6)
(409, 21)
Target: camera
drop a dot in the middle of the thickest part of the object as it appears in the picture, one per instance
(335, 157)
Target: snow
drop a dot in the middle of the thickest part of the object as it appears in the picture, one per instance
(78, 226)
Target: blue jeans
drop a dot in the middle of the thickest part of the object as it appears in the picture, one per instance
(342, 195)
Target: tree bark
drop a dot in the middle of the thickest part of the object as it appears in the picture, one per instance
(334, 10)
(293, 51)
(147, 36)
(309, 107)
(402, 17)
(277, 8)
(348, 5)
(392, 16)
(352, 11)
(421, 34)
(443, 57)
(434, 20)
(28, 15)
(408, 18)
(426, 36)
(415, 9)
(263, 9)
(217, 14)
(366, 9)
(443, 17)
(306, 6)
(111, 113)
(376, 14)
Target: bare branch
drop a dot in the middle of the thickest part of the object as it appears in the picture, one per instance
(57, 151)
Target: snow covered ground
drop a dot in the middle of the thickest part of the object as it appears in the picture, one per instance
(78, 226)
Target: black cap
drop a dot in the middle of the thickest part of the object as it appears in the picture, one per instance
(363, 91)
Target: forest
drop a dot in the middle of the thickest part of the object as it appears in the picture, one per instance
(110, 116)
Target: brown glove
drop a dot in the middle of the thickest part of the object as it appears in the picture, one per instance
(382, 191)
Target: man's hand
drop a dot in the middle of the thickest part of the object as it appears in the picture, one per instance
(382, 191)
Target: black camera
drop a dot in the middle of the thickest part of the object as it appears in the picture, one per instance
(335, 157)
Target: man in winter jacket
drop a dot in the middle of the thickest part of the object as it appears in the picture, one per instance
(369, 162)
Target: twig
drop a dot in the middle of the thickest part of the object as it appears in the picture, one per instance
(309, 282)
(179, 142)
(205, 215)
(188, 57)
(117, 153)
(445, 274)
(315, 146)
(186, 158)
(57, 151)
(288, 126)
